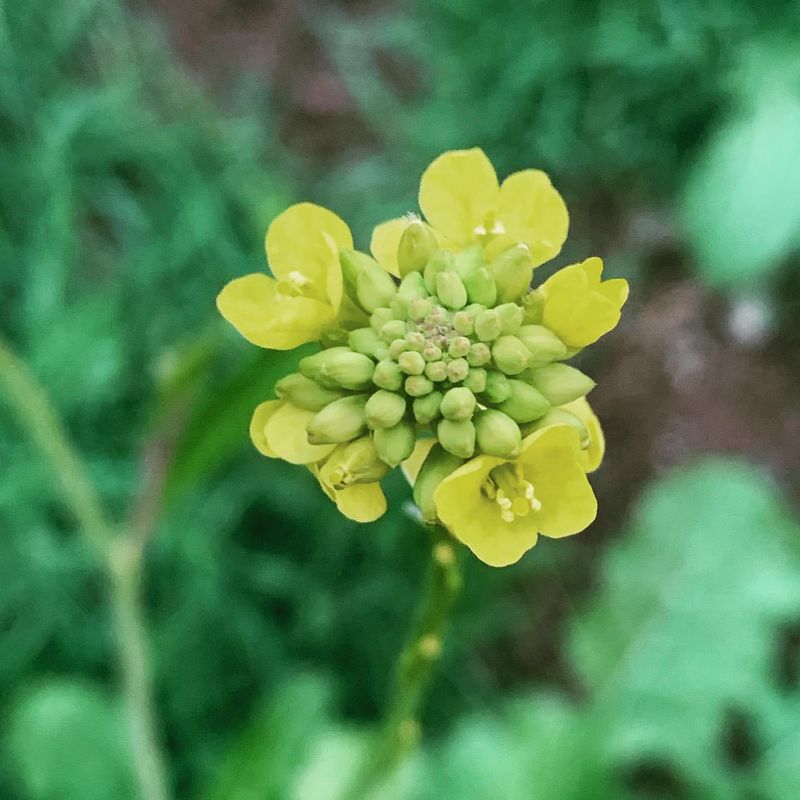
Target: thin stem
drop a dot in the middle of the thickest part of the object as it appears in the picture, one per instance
(413, 670)
(120, 556)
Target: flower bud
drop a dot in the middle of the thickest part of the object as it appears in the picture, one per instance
(497, 387)
(560, 383)
(385, 409)
(340, 421)
(457, 369)
(524, 403)
(511, 316)
(479, 354)
(512, 271)
(436, 467)
(450, 290)
(396, 347)
(374, 289)
(533, 303)
(459, 347)
(388, 375)
(510, 355)
(364, 341)
(418, 385)
(457, 437)
(468, 261)
(339, 367)
(417, 244)
(436, 370)
(481, 287)
(394, 329)
(395, 444)
(497, 434)
(412, 287)
(379, 318)
(543, 344)
(487, 325)
(305, 393)
(415, 341)
(476, 380)
(440, 261)
(354, 462)
(464, 320)
(353, 262)
(458, 403)
(399, 309)
(558, 416)
(431, 352)
(411, 362)
(420, 308)
(427, 408)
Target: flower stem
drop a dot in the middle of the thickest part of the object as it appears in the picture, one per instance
(121, 557)
(413, 670)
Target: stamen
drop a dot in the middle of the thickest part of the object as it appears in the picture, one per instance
(513, 494)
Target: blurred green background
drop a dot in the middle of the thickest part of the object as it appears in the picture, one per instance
(143, 151)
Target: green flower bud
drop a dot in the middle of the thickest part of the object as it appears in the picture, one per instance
(459, 347)
(412, 287)
(379, 318)
(533, 303)
(464, 320)
(481, 287)
(487, 325)
(436, 370)
(458, 403)
(399, 309)
(497, 387)
(560, 383)
(457, 369)
(512, 271)
(436, 467)
(411, 362)
(524, 403)
(394, 329)
(364, 341)
(341, 421)
(415, 341)
(355, 462)
(450, 290)
(440, 261)
(510, 355)
(476, 380)
(388, 375)
(339, 367)
(417, 244)
(420, 308)
(558, 416)
(375, 289)
(353, 263)
(479, 354)
(497, 434)
(305, 393)
(395, 444)
(396, 347)
(418, 385)
(427, 408)
(469, 260)
(543, 344)
(385, 409)
(431, 352)
(511, 316)
(457, 437)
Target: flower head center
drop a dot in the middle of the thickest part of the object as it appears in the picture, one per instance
(512, 493)
(296, 284)
(490, 227)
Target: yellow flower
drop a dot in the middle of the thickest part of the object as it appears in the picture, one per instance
(464, 203)
(592, 453)
(577, 306)
(278, 430)
(305, 295)
(498, 507)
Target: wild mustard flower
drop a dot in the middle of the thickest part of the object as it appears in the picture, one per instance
(437, 355)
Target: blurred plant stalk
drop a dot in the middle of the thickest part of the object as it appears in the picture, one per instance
(120, 553)
(401, 730)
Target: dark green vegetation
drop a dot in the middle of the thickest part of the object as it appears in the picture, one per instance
(654, 657)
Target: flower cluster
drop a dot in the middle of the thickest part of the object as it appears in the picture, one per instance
(438, 356)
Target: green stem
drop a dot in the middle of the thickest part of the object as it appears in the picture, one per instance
(121, 557)
(413, 670)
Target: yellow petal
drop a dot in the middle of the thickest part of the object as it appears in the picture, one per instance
(384, 243)
(285, 432)
(615, 290)
(303, 242)
(361, 502)
(258, 424)
(268, 318)
(413, 464)
(593, 267)
(457, 192)
(532, 211)
(551, 463)
(591, 457)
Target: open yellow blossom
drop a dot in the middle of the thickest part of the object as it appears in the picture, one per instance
(305, 295)
(592, 453)
(278, 430)
(499, 507)
(578, 306)
(464, 203)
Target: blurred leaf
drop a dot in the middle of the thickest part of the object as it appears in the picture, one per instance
(68, 742)
(741, 206)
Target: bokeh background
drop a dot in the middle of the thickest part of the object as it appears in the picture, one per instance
(144, 149)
